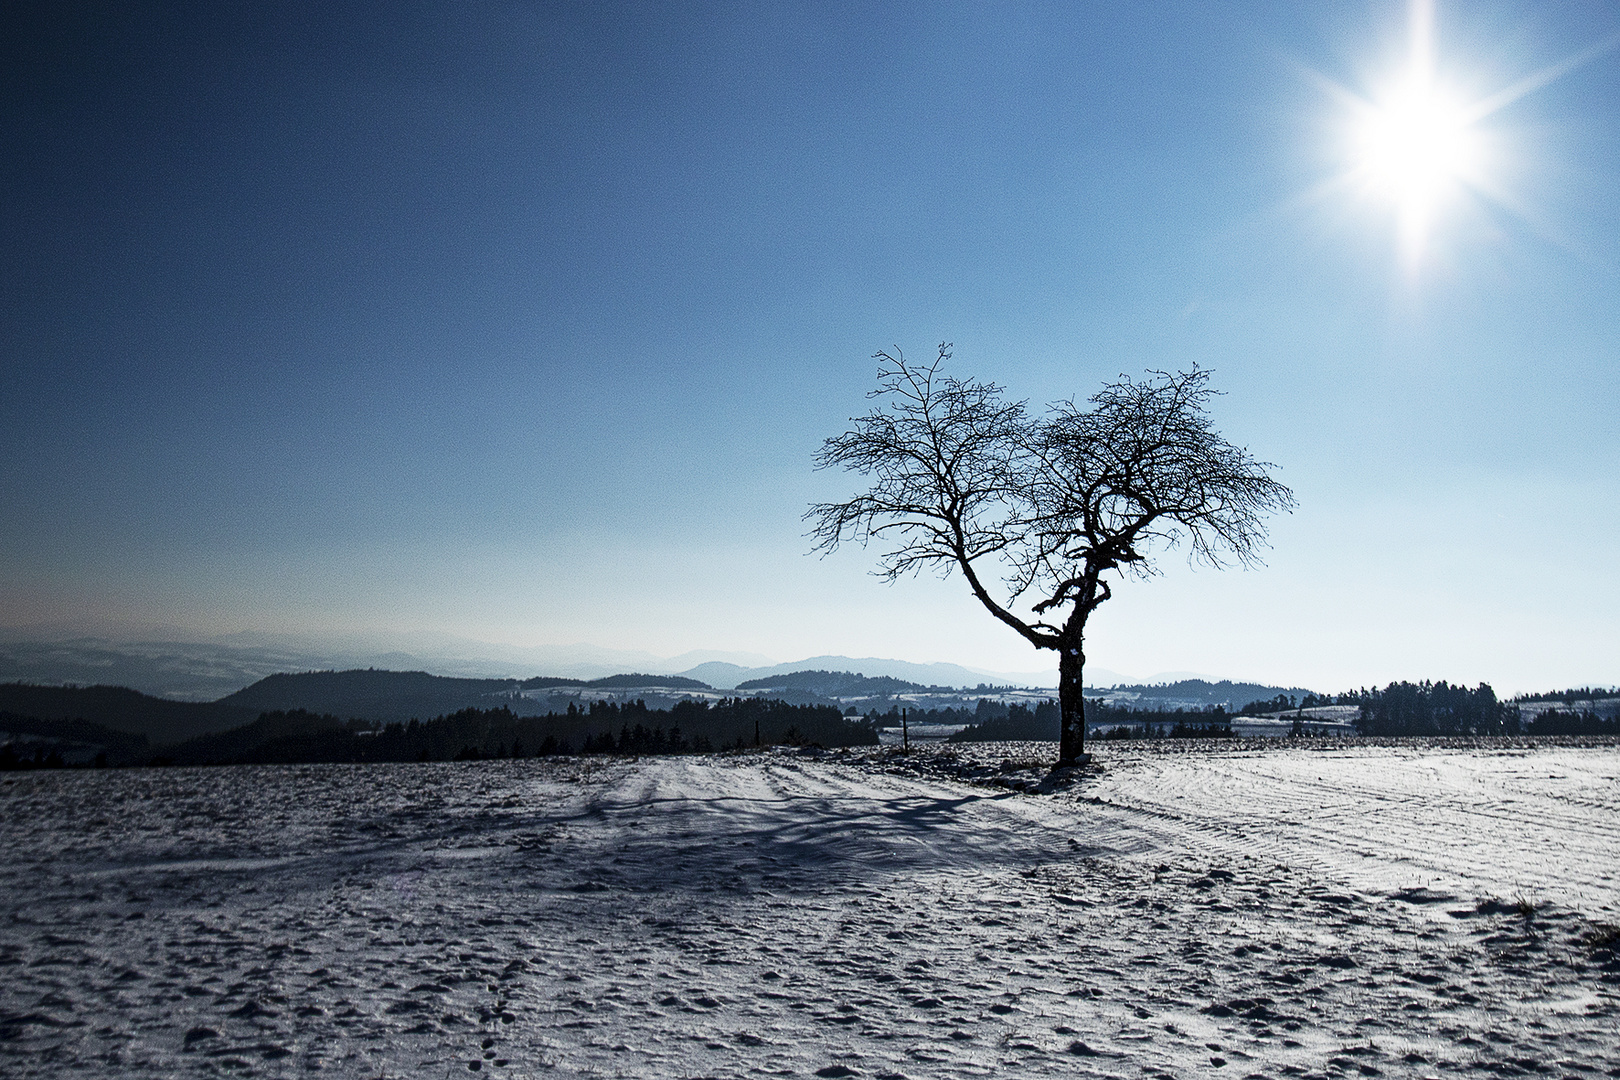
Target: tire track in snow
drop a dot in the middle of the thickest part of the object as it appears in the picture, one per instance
(1542, 823)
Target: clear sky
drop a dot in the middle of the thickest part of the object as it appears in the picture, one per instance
(521, 322)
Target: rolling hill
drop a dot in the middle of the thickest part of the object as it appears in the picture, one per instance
(119, 708)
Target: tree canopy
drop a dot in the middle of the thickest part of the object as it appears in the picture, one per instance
(1035, 511)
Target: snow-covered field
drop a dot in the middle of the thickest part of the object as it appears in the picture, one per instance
(1178, 911)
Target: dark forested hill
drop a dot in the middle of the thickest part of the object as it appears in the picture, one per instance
(830, 684)
(639, 682)
(369, 694)
(472, 734)
(122, 709)
(388, 696)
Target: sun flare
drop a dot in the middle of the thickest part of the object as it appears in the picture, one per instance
(1415, 144)
(1418, 145)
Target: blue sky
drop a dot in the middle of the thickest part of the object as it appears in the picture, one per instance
(521, 322)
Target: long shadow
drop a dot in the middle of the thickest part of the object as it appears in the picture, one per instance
(793, 842)
(784, 841)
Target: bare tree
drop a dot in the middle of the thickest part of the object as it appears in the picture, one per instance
(965, 481)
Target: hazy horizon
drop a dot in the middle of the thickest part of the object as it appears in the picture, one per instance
(199, 670)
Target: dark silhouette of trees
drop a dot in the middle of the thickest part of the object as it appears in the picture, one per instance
(1280, 703)
(37, 755)
(1184, 730)
(1433, 708)
(1569, 697)
(994, 722)
(121, 709)
(965, 481)
(604, 727)
(1570, 722)
(72, 740)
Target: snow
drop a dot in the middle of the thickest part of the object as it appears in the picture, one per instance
(1507, 823)
(917, 733)
(1178, 910)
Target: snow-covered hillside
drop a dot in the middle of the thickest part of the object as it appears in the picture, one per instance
(1212, 911)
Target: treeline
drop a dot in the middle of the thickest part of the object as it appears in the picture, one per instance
(993, 721)
(36, 755)
(839, 684)
(1589, 720)
(990, 721)
(1401, 708)
(1196, 694)
(118, 708)
(299, 737)
(1432, 708)
(1118, 722)
(996, 722)
(1569, 697)
(1569, 722)
(50, 743)
(1438, 708)
(1288, 703)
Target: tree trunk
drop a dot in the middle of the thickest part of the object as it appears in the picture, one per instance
(1072, 734)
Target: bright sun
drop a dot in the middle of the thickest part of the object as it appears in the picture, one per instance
(1417, 148)
(1418, 145)
(1415, 144)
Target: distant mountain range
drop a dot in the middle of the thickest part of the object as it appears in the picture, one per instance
(833, 684)
(181, 671)
(726, 676)
(189, 671)
(168, 692)
(387, 696)
(380, 696)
